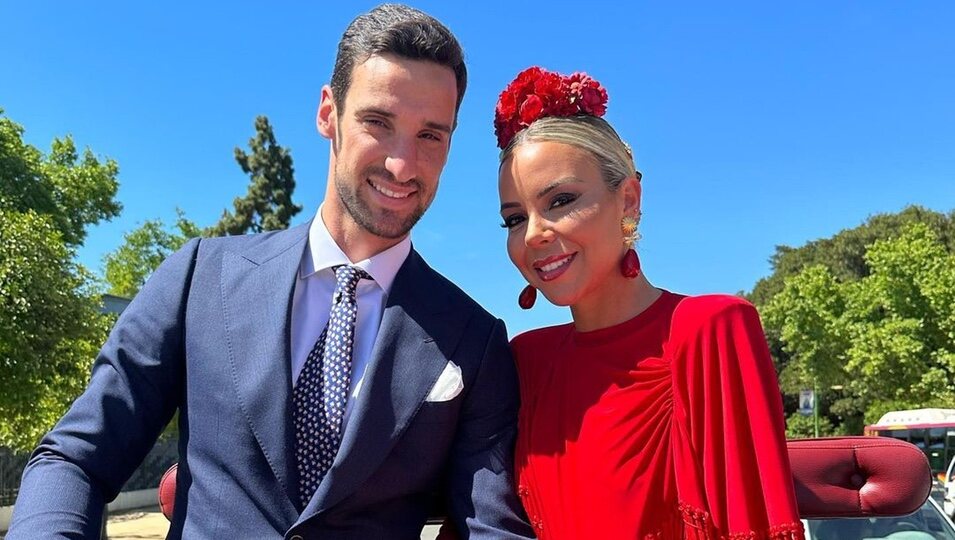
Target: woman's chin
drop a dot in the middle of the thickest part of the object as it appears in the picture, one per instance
(558, 299)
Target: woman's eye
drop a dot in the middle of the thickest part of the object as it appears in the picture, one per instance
(563, 199)
(512, 221)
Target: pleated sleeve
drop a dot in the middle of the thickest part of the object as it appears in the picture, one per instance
(732, 470)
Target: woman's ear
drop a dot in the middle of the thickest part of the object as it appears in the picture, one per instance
(630, 193)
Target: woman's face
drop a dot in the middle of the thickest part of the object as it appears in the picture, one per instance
(562, 220)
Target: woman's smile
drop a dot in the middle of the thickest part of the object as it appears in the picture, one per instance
(554, 266)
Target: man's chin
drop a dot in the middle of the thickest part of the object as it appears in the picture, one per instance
(389, 229)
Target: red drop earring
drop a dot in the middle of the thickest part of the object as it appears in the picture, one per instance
(527, 297)
(630, 264)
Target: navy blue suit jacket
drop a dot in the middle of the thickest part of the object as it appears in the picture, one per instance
(208, 335)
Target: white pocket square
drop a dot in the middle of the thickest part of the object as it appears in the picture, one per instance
(449, 384)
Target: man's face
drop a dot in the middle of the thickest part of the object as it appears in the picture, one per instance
(390, 143)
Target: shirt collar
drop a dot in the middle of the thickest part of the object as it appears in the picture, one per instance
(324, 253)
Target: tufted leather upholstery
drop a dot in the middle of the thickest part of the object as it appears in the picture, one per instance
(858, 476)
(833, 477)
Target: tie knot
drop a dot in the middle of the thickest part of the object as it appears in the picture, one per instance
(346, 280)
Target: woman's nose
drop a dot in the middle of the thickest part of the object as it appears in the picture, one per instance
(539, 231)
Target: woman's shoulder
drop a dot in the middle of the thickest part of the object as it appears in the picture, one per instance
(718, 340)
(539, 340)
(711, 313)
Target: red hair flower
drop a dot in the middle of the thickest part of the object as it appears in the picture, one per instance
(536, 93)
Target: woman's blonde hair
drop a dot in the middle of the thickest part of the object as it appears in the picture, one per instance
(588, 133)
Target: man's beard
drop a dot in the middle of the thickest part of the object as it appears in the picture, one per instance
(387, 224)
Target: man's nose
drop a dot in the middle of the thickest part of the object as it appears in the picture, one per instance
(402, 160)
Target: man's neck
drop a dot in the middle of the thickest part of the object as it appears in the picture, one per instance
(355, 242)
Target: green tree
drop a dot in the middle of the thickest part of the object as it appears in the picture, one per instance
(142, 251)
(50, 326)
(887, 339)
(802, 427)
(899, 320)
(807, 317)
(267, 205)
(844, 254)
(844, 258)
(74, 193)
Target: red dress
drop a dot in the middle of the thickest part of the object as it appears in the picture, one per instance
(666, 426)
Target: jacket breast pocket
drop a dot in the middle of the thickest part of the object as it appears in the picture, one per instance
(437, 412)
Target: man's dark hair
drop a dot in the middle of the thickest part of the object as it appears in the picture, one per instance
(400, 30)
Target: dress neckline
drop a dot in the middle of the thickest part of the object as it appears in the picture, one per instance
(610, 333)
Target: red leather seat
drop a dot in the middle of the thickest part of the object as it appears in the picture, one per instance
(167, 490)
(858, 477)
(833, 477)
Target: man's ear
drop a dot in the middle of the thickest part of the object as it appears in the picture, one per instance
(326, 120)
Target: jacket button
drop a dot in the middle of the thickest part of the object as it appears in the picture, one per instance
(296, 537)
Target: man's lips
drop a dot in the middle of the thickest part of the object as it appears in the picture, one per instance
(392, 191)
(552, 267)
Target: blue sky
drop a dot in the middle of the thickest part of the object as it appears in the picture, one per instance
(754, 123)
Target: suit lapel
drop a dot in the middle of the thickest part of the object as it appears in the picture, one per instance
(406, 361)
(257, 287)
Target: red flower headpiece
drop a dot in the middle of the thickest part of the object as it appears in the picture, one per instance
(537, 93)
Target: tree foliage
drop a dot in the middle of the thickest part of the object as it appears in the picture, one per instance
(844, 254)
(267, 206)
(74, 193)
(142, 251)
(50, 325)
(881, 328)
(802, 427)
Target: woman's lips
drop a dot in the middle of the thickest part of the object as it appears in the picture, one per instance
(552, 267)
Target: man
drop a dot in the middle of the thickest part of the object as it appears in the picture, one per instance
(328, 381)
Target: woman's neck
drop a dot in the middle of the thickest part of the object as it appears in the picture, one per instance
(618, 301)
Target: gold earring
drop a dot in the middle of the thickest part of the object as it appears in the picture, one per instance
(630, 264)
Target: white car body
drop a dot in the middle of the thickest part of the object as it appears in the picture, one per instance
(927, 523)
(949, 503)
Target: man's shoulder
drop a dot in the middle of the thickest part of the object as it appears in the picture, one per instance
(438, 285)
(256, 246)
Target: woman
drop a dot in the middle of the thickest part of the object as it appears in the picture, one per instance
(652, 415)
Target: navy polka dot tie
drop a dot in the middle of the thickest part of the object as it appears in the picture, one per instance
(321, 393)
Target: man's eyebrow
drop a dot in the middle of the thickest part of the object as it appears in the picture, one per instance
(437, 126)
(374, 110)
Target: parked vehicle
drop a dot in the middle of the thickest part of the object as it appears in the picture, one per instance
(838, 479)
(949, 504)
(927, 523)
(932, 430)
